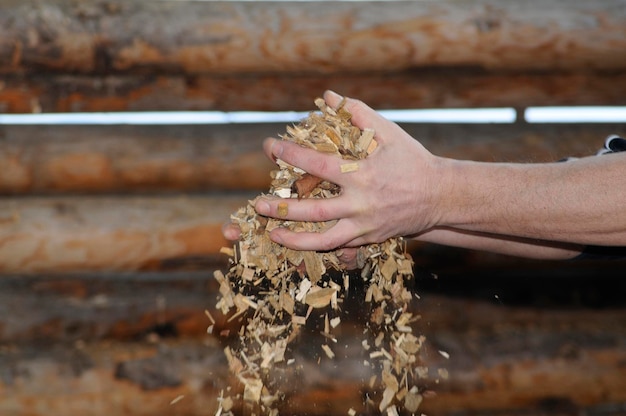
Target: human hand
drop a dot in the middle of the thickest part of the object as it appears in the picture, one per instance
(391, 194)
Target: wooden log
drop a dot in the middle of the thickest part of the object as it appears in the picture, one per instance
(72, 307)
(224, 37)
(125, 159)
(110, 233)
(423, 88)
(502, 359)
(100, 159)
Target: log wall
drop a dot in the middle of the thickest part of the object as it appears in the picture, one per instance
(64, 56)
(421, 88)
(109, 234)
(251, 37)
(133, 197)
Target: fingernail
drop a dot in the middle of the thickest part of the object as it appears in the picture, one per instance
(333, 94)
(232, 235)
(277, 148)
(262, 207)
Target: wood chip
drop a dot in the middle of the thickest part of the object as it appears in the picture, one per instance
(283, 209)
(366, 139)
(177, 399)
(298, 320)
(329, 353)
(229, 251)
(306, 184)
(392, 411)
(227, 404)
(252, 390)
(287, 302)
(314, 266)
(349, 167)
(412, 400)
(208, 314)
(388, 395)
(305, 286)
(320, 297)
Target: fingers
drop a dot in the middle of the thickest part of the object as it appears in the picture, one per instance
(363, 116)
(332, 98)
(231, 231)
(306, 209)
(323, 165)
(337, 236)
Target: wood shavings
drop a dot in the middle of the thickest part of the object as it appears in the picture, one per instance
(177, 399)
(320, 298)
(306, 185)
(283, 209)
(225, 405)
(209, 329)
(329, 353)
(252, 390)
(412, 400)
(273, 290)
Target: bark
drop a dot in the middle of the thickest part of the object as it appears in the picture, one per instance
(244, 37)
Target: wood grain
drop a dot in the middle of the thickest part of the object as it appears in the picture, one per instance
(110, 233)
(252, 37)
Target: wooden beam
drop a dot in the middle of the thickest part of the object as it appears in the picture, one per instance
(225, 37)
(126, 159)
(424, 88)
(101, 159)
(110, 233)
(122, 306)
(502, 359)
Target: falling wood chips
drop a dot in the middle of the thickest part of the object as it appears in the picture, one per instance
(273, 289)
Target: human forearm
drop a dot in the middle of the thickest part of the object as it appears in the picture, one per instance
(507, 245)
(575, 202)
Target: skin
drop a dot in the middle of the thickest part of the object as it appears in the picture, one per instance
(542, 210)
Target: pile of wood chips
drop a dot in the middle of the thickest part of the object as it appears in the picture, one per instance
(272, 290)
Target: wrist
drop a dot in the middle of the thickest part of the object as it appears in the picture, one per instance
(447, 196)
(467, 192)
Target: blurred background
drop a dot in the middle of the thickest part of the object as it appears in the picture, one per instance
(131, 130)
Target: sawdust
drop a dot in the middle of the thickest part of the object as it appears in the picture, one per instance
(273, 290)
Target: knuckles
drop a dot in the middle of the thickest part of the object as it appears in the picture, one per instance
(320, 213)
